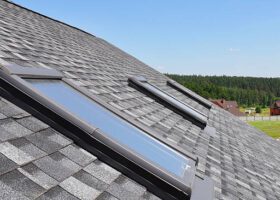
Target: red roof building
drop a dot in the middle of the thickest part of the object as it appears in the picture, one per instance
(230, 106)
(275, 108)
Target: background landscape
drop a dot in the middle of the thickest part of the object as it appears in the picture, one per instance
(249, 92)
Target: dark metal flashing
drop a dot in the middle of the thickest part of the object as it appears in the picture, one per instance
(55, 20)
(31, 72)
(191, 114)
(190, 94)
(19, 95)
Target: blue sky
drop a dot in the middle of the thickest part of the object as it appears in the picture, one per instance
(217, 37)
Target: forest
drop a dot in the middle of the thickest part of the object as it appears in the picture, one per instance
(247, 91)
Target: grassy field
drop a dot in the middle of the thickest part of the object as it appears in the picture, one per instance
(271, 128)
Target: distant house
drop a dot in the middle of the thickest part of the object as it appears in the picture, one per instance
(230, 106)
(275, 108)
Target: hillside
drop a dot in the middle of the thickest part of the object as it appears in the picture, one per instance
(247, 91)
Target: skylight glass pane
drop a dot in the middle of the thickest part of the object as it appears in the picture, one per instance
(113, 126)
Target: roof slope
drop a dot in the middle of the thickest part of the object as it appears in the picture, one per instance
(242, 161)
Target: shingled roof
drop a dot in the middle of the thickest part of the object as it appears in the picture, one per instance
(39, 162)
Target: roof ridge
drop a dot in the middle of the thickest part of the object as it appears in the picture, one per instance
(61, 22)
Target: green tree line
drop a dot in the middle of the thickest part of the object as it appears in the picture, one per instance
(247, 91)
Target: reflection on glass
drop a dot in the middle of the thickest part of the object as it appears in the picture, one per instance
(116, 128)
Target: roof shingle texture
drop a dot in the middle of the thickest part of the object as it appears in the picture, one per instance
(242, 161)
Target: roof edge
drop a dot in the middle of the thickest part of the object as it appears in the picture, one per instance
(50, 18)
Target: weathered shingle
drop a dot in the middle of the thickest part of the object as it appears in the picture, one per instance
(11, 129)
(7, 193)
(79, 189)
(38, 176)
(6, 164)
(48, 140)
(57, 193)
(102, 171)
(21, 184)
(32, 124)
(21, 151)
(78, 155)
(57, 166)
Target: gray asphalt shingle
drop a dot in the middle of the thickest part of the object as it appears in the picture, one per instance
(21, 184)
(79, 189)
(78, 155)
(57, 193)
(90, 180)
(48, 140)
(32, 124)
(102, 171)
(15, 154)
(7, 193)
(57, 166)
(12, 129)
(38, 176)
(6, 164)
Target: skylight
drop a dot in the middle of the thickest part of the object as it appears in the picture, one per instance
(169, 173)
(193, 114)
(141, 144)
(113, 126)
